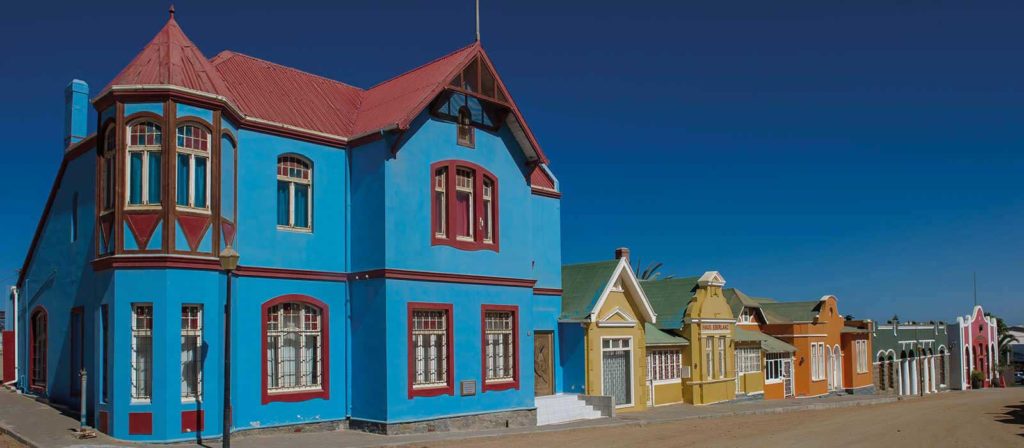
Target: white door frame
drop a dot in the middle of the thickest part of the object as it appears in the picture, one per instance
(629, 368)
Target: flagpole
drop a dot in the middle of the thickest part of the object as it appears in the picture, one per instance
(478, 20)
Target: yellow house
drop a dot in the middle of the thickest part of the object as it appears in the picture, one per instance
(606, 301)
(696, 309)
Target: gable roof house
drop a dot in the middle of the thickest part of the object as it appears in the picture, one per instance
(371, 225)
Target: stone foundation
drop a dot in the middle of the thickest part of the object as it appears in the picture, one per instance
(289, 429)
(493, 420)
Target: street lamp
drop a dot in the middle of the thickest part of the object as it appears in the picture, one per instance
(228, 262)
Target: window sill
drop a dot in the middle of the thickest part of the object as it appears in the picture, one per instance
(292, 396)
(130, 207)
(140, 401)
(462, 244)
(295, 229)
(500, 385)
(186, 208)
(431, 391)
(661, 382)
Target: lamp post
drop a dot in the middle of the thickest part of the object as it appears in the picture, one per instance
(228, 262)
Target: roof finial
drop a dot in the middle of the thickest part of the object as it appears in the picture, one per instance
(478, 20)
(171, 10)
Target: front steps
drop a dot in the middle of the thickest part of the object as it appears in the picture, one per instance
(563, 408)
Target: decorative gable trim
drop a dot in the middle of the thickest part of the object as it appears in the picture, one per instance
(628, 321)
(632, 285)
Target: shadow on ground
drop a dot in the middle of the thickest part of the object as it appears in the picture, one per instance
(1014, 415)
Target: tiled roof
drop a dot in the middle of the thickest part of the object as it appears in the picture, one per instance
(582, 285)
(172, 59)
(669, 298)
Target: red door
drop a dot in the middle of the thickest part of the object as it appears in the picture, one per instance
(7, 346)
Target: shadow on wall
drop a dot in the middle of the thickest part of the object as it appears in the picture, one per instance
(1014, 415)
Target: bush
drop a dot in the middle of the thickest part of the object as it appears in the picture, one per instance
(977, 378)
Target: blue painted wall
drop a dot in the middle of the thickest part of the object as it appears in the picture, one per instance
(572, 357)
(156, 108)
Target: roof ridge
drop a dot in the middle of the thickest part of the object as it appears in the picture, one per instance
(421, 66)
(231, 53)
(587, 263)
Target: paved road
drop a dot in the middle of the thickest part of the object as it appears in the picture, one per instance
(985, 418)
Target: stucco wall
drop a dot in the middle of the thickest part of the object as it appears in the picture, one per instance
(639, 353)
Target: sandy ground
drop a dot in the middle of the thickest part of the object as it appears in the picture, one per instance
(7, 442)
(986, 418)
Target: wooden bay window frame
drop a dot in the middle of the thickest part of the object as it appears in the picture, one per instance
(324, 391)
(448, 385)
(484, 207)
(147, 151)
(502, 383)
(193, 154)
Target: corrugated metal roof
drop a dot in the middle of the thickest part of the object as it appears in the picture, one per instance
(582, 285)
(655, 336)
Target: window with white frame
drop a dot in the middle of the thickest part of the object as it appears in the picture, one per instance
(862, 355)
(441, 202)
(747, 316)
(430, 348)
(499, 352)
(142, 352)
(294, 347)
(107, 165)
(294, 192)
(145, 140)
(191, 352)
(748, 359)
(773, 366)
(488, 210)
(664, 365)
(709, 357)
(721, 357)
(817, 361)
(464, 204)
(193, 154)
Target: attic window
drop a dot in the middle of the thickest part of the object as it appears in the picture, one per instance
(617, 286)
(746, 316)
(478, 79)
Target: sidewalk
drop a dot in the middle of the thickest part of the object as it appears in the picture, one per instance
(39, 425)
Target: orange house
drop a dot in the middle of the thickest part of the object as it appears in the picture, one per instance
(832, 355)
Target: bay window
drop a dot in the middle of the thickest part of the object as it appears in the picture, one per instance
(294, 193)
(107, 166)
(142, 352)
(464, 206)
(145, 140)
(193, 173)
(500, 347)
(430, 349)
(191, 352)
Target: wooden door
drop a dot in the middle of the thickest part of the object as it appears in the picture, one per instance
(543, 364)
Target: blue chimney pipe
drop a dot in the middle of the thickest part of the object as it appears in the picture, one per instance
(76, 111)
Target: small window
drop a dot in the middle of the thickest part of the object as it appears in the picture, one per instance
(466, 134)
(143, 174)
(294, 193)
(500, 347)
(193, 166)
(142, 352)
(191, 352)
(430, 349)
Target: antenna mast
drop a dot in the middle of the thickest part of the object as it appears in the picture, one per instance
(478, 20)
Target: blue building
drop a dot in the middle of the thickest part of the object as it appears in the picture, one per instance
(399, 250)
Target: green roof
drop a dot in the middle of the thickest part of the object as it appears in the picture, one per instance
(853, 330)
(737, 300)
(582, 285)
(655, 336)
(791, 311)
(669, 298)
(768, 343)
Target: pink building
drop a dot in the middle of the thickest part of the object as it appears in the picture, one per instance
(974, 337)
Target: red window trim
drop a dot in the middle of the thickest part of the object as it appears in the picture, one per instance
(503, 385)
(325, 339)
(479, 173)
(448, 389)
(32, 385)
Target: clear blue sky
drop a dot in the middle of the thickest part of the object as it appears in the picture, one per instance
(871, 150)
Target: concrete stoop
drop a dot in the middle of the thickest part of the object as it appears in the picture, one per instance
(563, 408)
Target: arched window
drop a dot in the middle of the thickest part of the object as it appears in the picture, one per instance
(295, 341)
(144, 144)
(942, 366)
(294, 193)
(37, 350)
(881, 371)
(466, 136)
(107, 159)
(192, 143)
(464, 211)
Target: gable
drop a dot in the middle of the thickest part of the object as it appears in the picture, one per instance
(588, 287)
(618, 312)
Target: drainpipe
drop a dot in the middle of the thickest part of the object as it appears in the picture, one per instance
(14, 298)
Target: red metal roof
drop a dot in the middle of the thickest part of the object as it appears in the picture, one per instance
(172, 59)
(270, 92)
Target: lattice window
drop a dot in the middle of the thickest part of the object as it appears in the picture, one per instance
(294, 347)
(191, 352)
(430, 345)
(748, 360)
(294, 193)
(193, 149)
(664, 365)
(500, 350)
(142, 352)
(143, 173)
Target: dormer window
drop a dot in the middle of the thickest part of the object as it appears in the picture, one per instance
(464, 207)
(747, 316)
(107, 158)
(145, 140)
(193, 155)
(466, 135)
